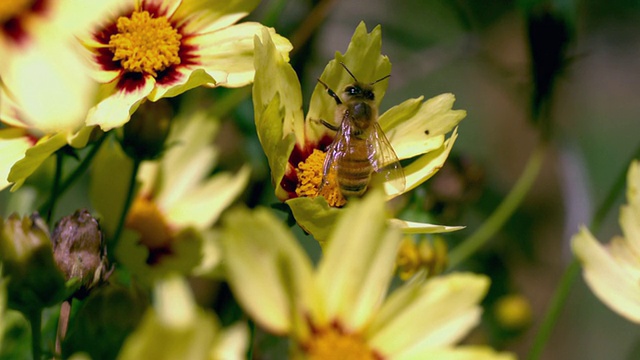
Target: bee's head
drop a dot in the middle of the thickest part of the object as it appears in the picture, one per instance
(359, 91)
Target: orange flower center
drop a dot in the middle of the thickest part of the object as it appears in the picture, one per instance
(310, 176)
(145, 44)
(146, 219)
(332, 343)
(11, 9)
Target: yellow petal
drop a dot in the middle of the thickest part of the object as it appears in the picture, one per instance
(227, 55)
(614, 286)
(424, 167)
(415, 128)
(457, 353)
(202, 206)
(447, 306)
(13, 145)
(358, 263)
(268, 271)
(116, 109)
(34, 157)
(410, 227)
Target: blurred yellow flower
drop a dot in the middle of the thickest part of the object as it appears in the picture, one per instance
(46, 88)
(612, 271)
(295, 145)
(153, 49)
(176, 328)
(177, 202)
(341, 309)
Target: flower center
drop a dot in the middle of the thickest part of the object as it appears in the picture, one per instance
(10, 9)
(145, 44)
(310, 176)
(332, 343)
(146, 219)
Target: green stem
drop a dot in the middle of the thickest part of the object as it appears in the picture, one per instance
(571, 273)
(127, 204)
(252, 336)
(55, 188)
(79, 170)
(35, 319)
(504, 211)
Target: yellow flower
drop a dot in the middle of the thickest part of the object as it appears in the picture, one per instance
(177, 202)
(46, 87)
(612, 271)
(341, 309)
(295, 145)
(152, 49)
(175, 328)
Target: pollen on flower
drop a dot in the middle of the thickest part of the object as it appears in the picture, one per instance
(333, 343)
(310, 176)
(146, 219)
(145, 44)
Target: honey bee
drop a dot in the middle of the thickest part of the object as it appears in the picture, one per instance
(359, 147)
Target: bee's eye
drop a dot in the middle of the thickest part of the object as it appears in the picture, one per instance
(369, 95)
(351, 90)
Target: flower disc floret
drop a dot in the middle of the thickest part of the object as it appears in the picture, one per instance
(145, 44)
(309, 174)
(333, 343)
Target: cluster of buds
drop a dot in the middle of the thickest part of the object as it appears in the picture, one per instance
(43, 270)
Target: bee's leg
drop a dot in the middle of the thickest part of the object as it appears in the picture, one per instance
(326, 124)
(331, 92)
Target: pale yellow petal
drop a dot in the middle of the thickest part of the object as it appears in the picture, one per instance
(617, 288)
(13, 145)
(424, 167)
(227, 55)
(269, 273)
(116, 109)
(411, 227)
(231, 344)
(633, 183)
(202, 206)
(415, 128)
(352, 289)
(456, 353)
(447, 306)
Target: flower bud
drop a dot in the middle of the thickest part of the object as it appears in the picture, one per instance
(34, 280)
(80, 251)
(146, 132)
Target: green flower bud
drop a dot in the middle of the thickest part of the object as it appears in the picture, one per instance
(80, 251)
(146, 132)
(34, 280)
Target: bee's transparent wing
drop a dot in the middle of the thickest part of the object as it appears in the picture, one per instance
(336, 151)
(385, 161)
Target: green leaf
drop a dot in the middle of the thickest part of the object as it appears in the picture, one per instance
(315, 216)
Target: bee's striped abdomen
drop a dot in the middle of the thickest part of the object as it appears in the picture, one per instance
(354, 169)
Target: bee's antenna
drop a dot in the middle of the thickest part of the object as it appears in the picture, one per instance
(382, 78)
(349, 71)
(356, 80)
